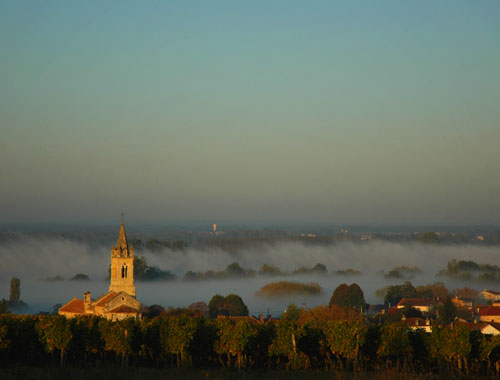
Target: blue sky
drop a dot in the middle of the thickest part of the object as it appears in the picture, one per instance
(334, 112)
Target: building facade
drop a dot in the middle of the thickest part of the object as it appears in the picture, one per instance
(120, 302)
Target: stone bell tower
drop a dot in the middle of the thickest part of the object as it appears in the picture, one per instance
(122, 265)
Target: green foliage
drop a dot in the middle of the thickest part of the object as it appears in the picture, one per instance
(394, 342)
(302, 339)
(348, 272)
(453, 343)
(428, 237)
(234, 269)
(393, 274)
(317, 269)
(270, 270)
(231, 305)
(179, 245)
(345, 337)
(394, 293)
(156, 274)
(55, 333)
(438, 289)
(284, 344)
(4, 306)
(234, 338)
(292, 313)
(470, 270)
(177, 332)
(286, 288)
(80, 277)
(156, 246)
(447, 312)
(4, 340)
(348, 296)
(140, 266)
(116, 338)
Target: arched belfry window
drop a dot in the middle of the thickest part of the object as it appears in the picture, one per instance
(124, 271)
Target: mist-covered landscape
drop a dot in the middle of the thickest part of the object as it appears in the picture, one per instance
(46, 266)
(250, 190)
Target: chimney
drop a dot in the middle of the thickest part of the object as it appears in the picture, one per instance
(86, 300)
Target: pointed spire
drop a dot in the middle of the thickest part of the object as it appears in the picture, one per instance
(122, 238)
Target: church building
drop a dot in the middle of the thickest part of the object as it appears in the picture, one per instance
(119, 303)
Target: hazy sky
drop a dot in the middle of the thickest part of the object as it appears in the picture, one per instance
(320, 111)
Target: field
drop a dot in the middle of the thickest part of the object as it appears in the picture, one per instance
(141, 373)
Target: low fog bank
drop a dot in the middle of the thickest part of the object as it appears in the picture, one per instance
(32, 260)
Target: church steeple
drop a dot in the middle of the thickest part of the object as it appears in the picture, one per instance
(122, 249)
(122, 238)
(122, 265)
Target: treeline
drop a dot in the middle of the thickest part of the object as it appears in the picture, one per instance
(467, 270)
(235, 270)
(323, 337)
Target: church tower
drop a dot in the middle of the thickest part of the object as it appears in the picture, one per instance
(122, 265)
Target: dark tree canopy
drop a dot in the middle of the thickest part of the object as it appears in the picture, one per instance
(447, 312)
(428, 237)
(235, 269)
(80, 277)
(231, 305)
(348, 296)
(394, 293)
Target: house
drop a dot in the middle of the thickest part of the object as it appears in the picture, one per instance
(462, 302)
(485, 328)
(418, 323)
(422, 304)
(492, 295)
(120, 302)
(489, 313)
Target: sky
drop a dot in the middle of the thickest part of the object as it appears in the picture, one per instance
(382, 112)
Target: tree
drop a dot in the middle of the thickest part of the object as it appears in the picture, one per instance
(234, 339)
(119, 337)
(177, 332)
(395, 344)
(231, 305)
(319, 268)
(235, 269)
(284, 343)
(4, 307)
(438, 289)
(15, 291)
(55, 333)
(80, 277)
(216, 305)
(344, 338)
(466, 292)
(348, 296)
(140, 266)
(447, 312)
(394, 293)
(269, 270)
(428, 237)
(453, 344)
(179, 245)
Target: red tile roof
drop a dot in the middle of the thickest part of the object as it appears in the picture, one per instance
(104, 299)
(123, 309)
(417, 302)
(491, 310)
(73, 306)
